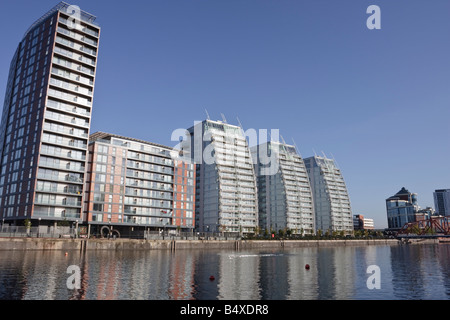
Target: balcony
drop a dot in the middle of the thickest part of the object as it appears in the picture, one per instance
(77, 36)
(65, 118)
(69, 97)
(68, 108)
(59, 141)
(62, 153)
(83, 28)
(67, 167)
(72, 87)
(58, 202)
(63, 213)
(73, 66)
(66, 189)
(74, 56)
(72, 76)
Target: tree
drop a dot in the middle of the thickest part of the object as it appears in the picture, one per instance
(288, 232)
(319, 233)
(27, 223)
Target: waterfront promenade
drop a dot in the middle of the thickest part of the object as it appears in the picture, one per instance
(136, 244)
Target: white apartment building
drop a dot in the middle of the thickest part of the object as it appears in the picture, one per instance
(331, 199)
(285, 196)
(226, 194)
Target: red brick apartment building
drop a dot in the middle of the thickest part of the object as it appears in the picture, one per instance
(134, 187)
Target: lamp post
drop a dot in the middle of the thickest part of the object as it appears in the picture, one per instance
(39, 226)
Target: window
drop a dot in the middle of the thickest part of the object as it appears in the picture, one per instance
(99, 187)
(102, 149)
(102, 158)
(98, 207)
(100, 177)
(101, 167)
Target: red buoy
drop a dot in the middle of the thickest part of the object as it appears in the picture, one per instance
(211, 278)
(307, 266)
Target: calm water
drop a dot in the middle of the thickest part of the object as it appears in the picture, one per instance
(406, 272)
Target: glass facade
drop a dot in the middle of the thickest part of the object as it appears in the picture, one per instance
(401, 208)
(331, 199)
(46, 119)
(225, 182)
(285, 197)
(442, 202)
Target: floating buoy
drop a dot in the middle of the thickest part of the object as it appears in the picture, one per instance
(307, 266)
(211, 278)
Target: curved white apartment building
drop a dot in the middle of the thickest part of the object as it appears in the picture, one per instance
(226, 194)
(331, 199)
(285, 196)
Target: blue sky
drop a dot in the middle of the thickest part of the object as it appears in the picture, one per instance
(376, 100)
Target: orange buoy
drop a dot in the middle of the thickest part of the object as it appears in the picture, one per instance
(211, 278)
(307, 266)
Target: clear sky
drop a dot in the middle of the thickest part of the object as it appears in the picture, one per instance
(376, 100)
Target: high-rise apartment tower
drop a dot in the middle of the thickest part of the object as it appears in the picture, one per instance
(442, 202)
(331, 199)
(46, 118)
(226, 194)
(285, 197)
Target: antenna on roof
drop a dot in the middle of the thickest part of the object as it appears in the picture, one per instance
(315, 154)
(207, 115)
(335, 162)
(282, 139)
(223, 118)
(296, 148)
(239, 123)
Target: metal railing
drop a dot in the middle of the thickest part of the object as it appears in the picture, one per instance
(175, 235)
(36, 232)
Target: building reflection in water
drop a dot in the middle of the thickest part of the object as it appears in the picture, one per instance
(420, 271)
(443, 259)
(407, 272)
(303, 282)
(239, 275)
(181, 276)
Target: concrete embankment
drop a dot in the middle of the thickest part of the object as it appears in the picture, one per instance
(132, 244)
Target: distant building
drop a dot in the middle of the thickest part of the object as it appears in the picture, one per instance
(401, 208)
(442, 202)
(285, 197)
(423, 214)
(331, 200)
(362, 223)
